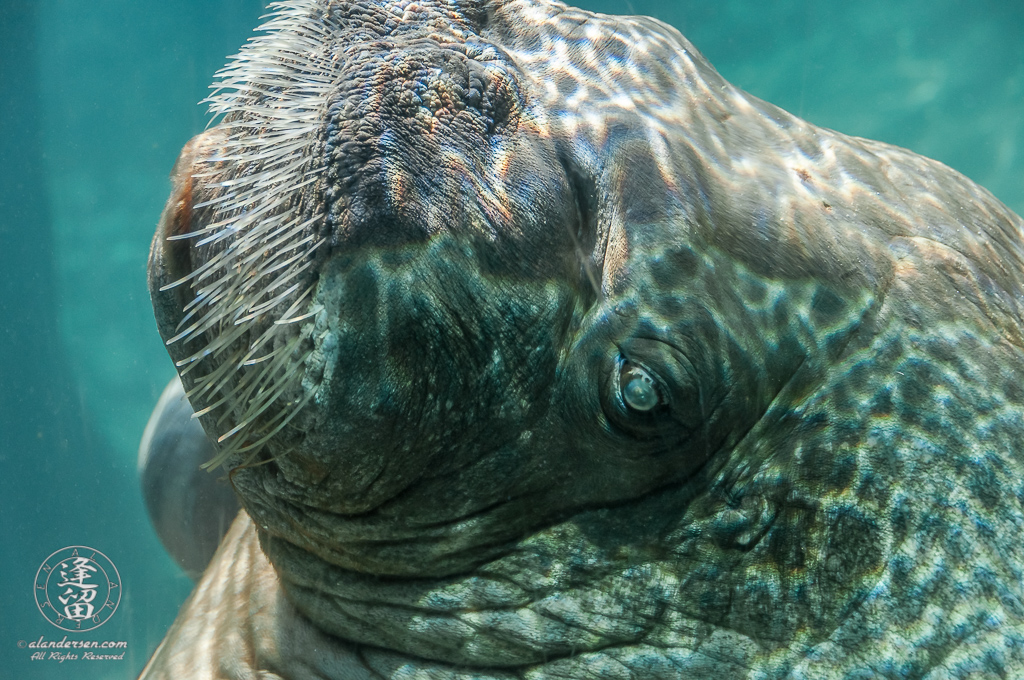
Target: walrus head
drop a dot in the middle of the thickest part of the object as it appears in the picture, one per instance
(532, 343)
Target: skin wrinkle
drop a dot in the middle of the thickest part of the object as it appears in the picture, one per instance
(500, 201)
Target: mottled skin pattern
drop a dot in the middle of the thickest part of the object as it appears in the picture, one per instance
(515, 203)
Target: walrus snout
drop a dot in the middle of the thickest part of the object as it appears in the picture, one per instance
(414, 262)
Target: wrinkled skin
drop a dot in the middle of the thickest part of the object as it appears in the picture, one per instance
(519, 208)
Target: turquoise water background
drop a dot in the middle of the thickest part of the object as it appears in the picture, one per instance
(96, 99)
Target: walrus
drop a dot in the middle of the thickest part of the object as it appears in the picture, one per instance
(535, 349)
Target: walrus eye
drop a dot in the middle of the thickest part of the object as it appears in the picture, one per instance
(637, 387)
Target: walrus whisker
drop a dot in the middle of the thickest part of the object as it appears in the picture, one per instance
(254, 448)
(206, 381)
(295, 319)
(256, 400)
(265, 288)
(248, 360)
(204, 204)
(289, 415)
(251, 380)
(256, 310)
(271, 266)
(270, 334)
(282, 235)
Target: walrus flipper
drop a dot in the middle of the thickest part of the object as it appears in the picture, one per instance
(190, 508)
